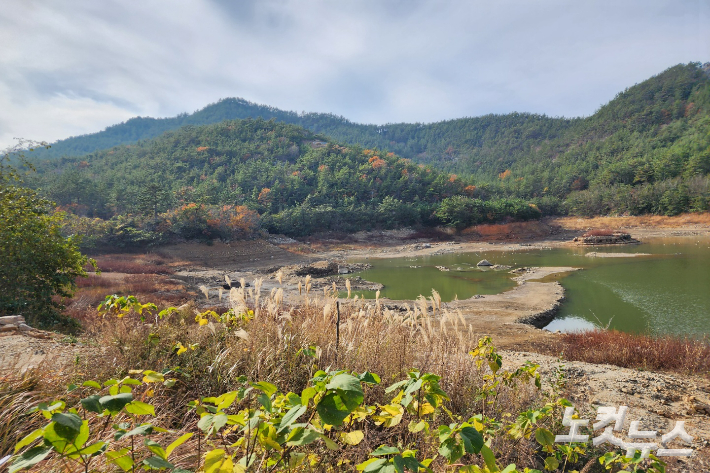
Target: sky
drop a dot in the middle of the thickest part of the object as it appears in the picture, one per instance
(70, 67)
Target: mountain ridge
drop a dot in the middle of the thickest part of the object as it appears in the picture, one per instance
(231, 108)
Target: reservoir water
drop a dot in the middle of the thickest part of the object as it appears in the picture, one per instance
(667, 292)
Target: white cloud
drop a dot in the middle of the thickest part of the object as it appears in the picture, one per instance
(69, 67)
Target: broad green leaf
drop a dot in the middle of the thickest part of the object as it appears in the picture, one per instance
(472, 439)
(551, 463)
(330, 445)
(509, 469)
(179, 441)
(156, 448)
(544, 437)
(414, 386)
(352, 438)
(451, 449)
(307, 394)
(212, 423)
(373, 464)
(157, 463)
(349, 389)
(384, 450)
(91, 404)
(291, 416)
(490, 459)
(332, 410)
(370, 378)
(140, 408)
(415, 426)
(399, 464)
(144, 429)
(115, 403)
(301, 436)
(29, 458)
(130, 381)
(68, 425)
(396, 386)
(121, 458)
(265, 401)
(89, 450)
(34, 435)
(91, 384)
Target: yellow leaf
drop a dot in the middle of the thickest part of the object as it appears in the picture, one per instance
(352, 438)
(153, 377)
(393, 409)
(425, 409)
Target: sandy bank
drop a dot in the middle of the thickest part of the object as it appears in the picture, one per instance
(596, 254)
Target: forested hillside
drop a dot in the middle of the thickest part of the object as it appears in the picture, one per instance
(227, 180)
(646, 151)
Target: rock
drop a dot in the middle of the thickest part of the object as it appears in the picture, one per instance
(12, 319)
(8, 328)
(319, 268)
(442, 268)
(25, 328)
(484, 262)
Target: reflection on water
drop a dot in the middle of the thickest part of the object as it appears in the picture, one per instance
(666, 292)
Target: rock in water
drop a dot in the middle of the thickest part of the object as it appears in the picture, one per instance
(484, 262)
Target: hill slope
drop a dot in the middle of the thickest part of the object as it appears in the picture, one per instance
(298, 182)
(654, 137)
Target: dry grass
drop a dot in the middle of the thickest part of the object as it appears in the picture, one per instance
(600, 232)
(92, 290)
(133, 264)
(429, 233)
(509, 231)
(270, 346)
(18, 394)
(665, 353)
(577, 223)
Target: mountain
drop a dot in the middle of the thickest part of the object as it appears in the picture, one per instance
(298, 182)
(647, 150)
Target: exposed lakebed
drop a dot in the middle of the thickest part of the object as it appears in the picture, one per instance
(666, 289)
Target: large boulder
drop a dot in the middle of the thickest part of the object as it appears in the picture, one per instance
(484, 262)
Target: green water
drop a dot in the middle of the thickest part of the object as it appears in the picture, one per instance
(667, 292)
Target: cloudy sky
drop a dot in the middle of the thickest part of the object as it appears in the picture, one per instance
(70, 67)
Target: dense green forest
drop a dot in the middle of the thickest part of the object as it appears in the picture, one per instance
(230, 179)
(646, 151)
